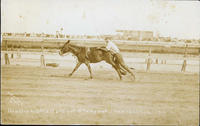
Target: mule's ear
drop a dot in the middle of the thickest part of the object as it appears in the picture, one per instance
(68, 41)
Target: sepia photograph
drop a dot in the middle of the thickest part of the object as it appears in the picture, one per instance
(100, 62)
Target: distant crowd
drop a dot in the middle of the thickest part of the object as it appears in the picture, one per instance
(141, 36)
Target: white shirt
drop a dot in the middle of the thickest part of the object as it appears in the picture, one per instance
(112, 47)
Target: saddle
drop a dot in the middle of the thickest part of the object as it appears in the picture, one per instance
(106, 50)
(102, 48)
(114, 58)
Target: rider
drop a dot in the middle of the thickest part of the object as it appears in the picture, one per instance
(118, 59)
(112, 48)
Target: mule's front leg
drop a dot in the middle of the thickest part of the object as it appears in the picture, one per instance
(89, 68)
(77, 66)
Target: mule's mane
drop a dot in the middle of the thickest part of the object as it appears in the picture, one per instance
(76, 46)
(75, 49)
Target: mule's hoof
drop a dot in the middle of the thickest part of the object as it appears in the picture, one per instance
(69, 75)
(89, 78)
(133, 77)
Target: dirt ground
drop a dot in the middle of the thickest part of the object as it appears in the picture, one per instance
(35, 95)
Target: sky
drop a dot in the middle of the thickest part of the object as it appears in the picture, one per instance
(179, 19)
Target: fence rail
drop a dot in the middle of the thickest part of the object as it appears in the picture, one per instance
(43, 43)
(133, 46)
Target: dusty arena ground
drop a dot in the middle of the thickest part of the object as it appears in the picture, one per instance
(31, 94)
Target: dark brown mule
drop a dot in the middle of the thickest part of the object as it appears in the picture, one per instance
(89, 55)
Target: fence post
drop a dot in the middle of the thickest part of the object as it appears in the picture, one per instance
(162, 61)
(156, 60)
(183, 69)
(165, 61)
(149, 61)
(42, 59)
(184, 65)
(12, 55)
(18, 51)
(7, 61)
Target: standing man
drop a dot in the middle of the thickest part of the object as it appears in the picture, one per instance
(117, 56)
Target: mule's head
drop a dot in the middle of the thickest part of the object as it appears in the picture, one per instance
(65, 48)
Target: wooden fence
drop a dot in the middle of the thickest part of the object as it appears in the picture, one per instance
(131, 46)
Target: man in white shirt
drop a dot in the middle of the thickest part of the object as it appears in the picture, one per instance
(117, 56)
(111, 46)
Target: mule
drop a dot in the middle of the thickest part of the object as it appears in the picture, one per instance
(89, 55)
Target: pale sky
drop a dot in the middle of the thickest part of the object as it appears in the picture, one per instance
(170, 18)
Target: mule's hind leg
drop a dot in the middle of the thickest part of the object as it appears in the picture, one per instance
(120, 61)
(122, 71)
(76, 67)
(118, 71)
(109, 60)
(116, 68)
(127, 69)
(89, 68)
